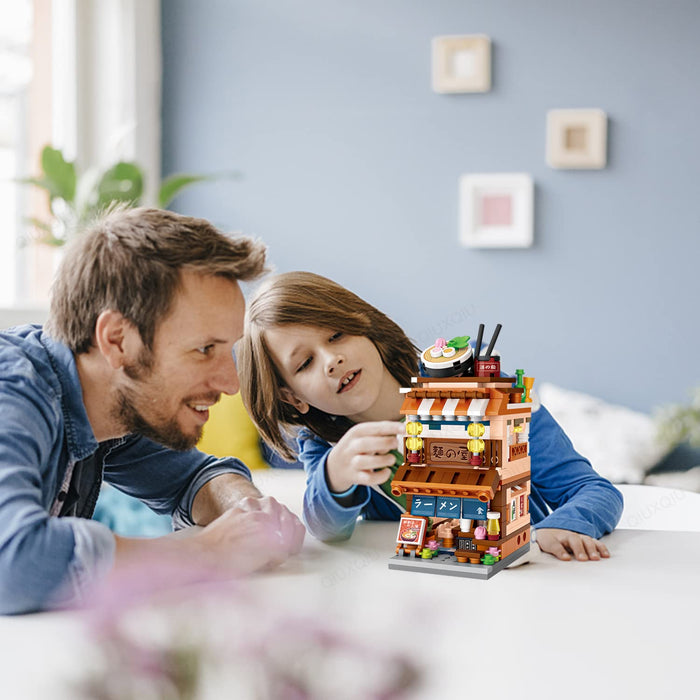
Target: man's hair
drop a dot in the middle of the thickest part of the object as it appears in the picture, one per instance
(311, 300)
(130, 261)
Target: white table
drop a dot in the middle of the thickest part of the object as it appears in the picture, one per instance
(619, 628)
(656, 508)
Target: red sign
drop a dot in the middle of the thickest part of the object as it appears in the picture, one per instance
(488, 368)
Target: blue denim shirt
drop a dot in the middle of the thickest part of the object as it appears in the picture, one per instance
(51, 468)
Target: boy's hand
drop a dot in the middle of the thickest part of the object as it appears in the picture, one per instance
(363, 455)
(564, 544)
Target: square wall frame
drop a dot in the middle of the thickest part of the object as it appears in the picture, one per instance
(577, 138)
(496, 210)
(462, 63)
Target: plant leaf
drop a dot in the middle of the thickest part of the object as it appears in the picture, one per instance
(50, 239)
(123, 182)
(59, 175)
(461, 341)
(174, 184)
(39, 224)
(42, 233)
(36, 181)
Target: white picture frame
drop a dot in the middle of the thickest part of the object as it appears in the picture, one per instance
(496, 210)
(577, 139)
(461, 63)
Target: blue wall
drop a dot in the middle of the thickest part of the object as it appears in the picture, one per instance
(350, 167)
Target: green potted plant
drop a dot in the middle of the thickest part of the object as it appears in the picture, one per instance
(680, 423)
(75, 199)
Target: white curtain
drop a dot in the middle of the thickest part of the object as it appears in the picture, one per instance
(107, 84)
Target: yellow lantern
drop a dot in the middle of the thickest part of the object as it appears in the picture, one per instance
(476, 430)
(414, 428)
(476, 446)
(414, 443)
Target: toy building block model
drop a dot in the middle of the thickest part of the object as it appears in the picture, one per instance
(466, 469)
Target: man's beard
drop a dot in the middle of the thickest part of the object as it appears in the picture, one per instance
(166, 432)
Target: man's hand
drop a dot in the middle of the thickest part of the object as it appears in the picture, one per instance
(564, 544)
(254, 534)
(363, 455)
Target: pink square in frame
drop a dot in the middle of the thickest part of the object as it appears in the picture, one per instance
(496, 210)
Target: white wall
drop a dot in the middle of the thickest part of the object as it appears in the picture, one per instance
(16, 317)
(350, 164)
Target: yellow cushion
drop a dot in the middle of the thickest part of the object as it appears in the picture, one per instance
(229, 432)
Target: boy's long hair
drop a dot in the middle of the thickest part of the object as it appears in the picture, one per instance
(130, 261)
(308, 299)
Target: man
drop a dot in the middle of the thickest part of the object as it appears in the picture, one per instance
(144, 315)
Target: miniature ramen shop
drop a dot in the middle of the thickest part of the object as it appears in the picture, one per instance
(466, 469)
